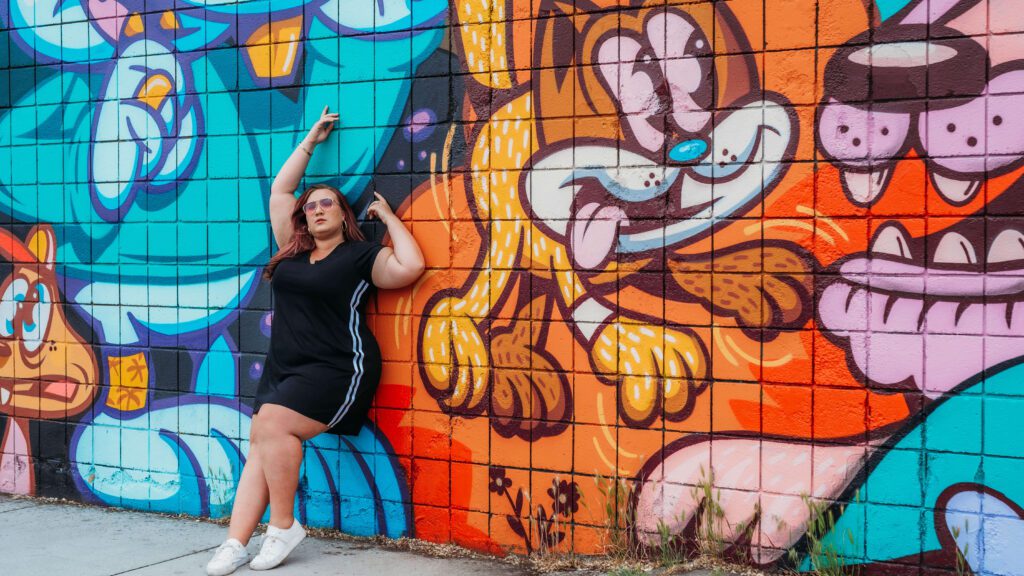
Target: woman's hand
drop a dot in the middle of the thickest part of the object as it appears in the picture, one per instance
(379, 208)
(323, 127)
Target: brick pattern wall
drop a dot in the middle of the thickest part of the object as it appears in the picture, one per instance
(773, 247)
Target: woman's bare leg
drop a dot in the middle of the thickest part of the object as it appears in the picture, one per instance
(252, 494)
(282, 432)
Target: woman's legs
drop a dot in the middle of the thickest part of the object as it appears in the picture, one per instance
(252, 495)
(281, 434)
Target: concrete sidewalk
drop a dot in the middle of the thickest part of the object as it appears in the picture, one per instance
(44, 537)
(39, 537)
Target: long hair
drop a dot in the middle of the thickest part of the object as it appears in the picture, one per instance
(302, 240)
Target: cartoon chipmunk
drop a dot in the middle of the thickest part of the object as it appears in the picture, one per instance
(623, 148)
(47, 371)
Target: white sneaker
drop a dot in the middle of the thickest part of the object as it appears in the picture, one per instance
(277, 544)
(228, 557)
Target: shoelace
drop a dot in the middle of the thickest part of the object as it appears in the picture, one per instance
(270, 542)
(224, 552)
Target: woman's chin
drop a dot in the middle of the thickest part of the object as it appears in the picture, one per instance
(324, 232)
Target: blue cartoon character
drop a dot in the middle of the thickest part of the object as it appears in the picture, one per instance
(147, 130)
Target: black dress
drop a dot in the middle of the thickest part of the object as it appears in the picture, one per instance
(323, 362)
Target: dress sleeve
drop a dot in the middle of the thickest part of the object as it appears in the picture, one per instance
(367, 256)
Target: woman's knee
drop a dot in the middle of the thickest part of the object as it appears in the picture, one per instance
(277, 422)
(255, 427)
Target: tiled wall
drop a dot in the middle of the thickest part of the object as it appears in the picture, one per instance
(776, 246)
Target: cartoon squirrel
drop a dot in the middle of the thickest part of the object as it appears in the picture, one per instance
(47, 371)
(589, 181)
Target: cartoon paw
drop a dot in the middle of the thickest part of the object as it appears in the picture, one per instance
(659, 368)
(746, 496)
(455, 359)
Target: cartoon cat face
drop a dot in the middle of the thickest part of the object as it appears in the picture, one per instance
(668, 136)
(46, 369)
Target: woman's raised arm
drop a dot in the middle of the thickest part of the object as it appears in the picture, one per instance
(282, 191)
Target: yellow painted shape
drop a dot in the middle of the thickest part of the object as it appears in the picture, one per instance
(134, 27)
(168, 21)
(39, 245)
(155, 90)
(484, 41)
(129, 381)
(273, 48)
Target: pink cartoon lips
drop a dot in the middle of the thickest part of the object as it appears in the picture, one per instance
(920, 88)
(929, 313)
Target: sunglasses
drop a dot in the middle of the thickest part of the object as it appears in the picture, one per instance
(325, 203)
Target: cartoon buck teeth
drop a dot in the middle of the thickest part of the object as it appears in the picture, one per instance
(47, 371)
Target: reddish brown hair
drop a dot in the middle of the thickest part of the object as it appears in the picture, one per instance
(302, 240)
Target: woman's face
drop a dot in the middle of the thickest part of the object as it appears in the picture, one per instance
(323, 222)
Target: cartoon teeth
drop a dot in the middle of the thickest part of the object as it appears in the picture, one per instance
(1007, 247)
(5, 396)
(955, 249)
(864, 187)
(891, 240)
(955, 191)
(934, 323)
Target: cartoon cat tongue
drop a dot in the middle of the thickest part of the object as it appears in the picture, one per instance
(594, 233)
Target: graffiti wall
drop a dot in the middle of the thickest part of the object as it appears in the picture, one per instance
(769, 247)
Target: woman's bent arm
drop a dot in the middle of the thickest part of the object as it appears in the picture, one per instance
(282, 191)
(404, 264)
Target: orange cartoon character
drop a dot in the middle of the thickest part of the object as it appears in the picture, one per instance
(600, 178)
(47, 371)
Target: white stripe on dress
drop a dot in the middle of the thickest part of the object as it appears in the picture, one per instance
(357, 358)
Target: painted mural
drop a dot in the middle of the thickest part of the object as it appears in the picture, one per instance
(768, 251)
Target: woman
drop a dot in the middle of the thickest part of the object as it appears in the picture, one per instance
(324, 364)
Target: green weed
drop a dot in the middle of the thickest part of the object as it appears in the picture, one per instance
(824, 557)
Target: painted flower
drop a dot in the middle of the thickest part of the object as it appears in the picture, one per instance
(565, 497)
(500, 483)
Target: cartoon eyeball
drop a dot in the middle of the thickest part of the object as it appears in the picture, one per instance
(652, 77)
(25, 313)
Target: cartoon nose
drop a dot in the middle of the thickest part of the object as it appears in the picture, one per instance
(688, 151)
(155, 90)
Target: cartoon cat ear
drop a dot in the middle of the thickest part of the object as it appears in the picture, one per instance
(42, 243)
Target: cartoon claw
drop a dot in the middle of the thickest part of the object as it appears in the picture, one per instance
(662, 370)
(456, 363)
